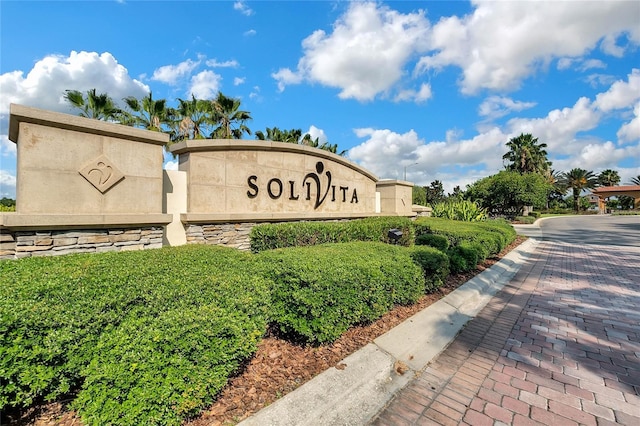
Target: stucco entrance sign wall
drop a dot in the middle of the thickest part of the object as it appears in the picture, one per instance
(79, 171)
(259, 180)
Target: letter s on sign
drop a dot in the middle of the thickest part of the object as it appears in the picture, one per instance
(251, 181)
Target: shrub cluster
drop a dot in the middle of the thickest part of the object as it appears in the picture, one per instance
(467, 244)
(152, 334)
(321, 291)
(297, 234)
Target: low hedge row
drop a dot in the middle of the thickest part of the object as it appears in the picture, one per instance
(465, 243)
(152, 336)
(298, 234)
(321, 291)
(154, 332)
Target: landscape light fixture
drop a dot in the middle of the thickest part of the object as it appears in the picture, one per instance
(394, 235)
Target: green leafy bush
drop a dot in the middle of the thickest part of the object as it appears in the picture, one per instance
(433, 240)
(525, 219)
(463, 210)
(493, 235)
(434, 264)
(320, 291)
(60, 315)
(465, 256)
(297, 234)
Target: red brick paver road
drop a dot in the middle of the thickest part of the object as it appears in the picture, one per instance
(559, 345)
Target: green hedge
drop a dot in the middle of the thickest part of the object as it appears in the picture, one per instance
(298, 234)
(493, 235)
(320, 291)
(440, 242)
(434, 264)
(66, 322)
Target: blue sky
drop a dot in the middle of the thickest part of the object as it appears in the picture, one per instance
(433, 89)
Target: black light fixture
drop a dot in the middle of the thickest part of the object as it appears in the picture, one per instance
(394, 235)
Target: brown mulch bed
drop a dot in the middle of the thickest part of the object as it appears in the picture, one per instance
(278, 366)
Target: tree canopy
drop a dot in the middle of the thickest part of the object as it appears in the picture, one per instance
(526, 155)
(578, 180)
(507, 192)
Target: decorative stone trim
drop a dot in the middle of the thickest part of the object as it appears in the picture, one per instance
(234, 235)
(20, 244)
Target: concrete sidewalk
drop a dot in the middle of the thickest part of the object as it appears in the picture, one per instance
(377, 372)
(559, 345)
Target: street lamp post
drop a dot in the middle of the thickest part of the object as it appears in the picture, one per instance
(405, 169)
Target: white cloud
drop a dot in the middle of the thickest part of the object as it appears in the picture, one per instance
(170, 74)
(284, 77)
(501, 43)
(7, 184)
(598, 156)
(419, 96)
(498, 106)
(7, 148)
(214, 63)
(44, 85)
(242, 7)
(364, 56)
(458, 161)
(595, 80)
(238, 81)
(205, 84)
(171, 165)
(250, 33)
(315, 132)
(631, 131)
(621, 94)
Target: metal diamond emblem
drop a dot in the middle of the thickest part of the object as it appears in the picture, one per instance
(101, 173)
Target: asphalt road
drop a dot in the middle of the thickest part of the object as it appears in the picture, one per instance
(595, 229)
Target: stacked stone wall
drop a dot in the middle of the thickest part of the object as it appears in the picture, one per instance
(20, 244)
(234, 235)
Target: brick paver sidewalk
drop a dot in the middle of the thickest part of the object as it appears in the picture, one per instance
(559, 345)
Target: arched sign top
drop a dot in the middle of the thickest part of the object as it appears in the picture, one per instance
(212, 145)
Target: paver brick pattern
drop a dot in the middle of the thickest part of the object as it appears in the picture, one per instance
(558, 345)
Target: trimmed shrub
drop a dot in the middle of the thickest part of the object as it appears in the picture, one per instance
(319, 292)
(465, 256)
(298, 234)
(525, 219)
(494, 235)
(433, 240)
(434, 264)
(61, 315)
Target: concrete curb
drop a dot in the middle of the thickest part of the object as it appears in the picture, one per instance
(355, 394)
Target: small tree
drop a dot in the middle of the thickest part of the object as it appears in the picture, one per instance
(506, 193)
(434, 193)
(418, 196)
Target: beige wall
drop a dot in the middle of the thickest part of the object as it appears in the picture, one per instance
(234, 177)
(75, 165)
(396, 197)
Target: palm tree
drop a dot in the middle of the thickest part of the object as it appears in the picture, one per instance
(558, 187)
(194, 119)
(227, 113)
(635, 180)
(326, 146)
(608, 177)
(578, 180)
(527, 155)
(94, 105)
(148, 113)
(277, 135)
